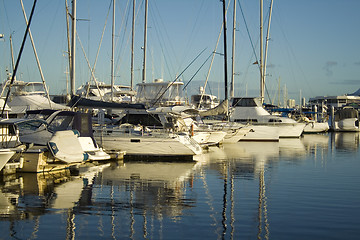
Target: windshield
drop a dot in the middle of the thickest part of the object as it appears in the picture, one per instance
(27, 88)
(30, 125)
(60, 123)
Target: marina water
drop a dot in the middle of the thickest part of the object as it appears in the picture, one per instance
(305, 188)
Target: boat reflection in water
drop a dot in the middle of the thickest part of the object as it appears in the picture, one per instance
(250, 161)
(31, 194)
(345, 140)
(246, 189)
(157, 188)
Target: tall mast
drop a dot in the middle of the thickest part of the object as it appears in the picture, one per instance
(12, 54)
(145, 37)
(112, 53)
(225, 50)
(267, 42)
(262, 87)
(69, 47)
(132, 46)
(73, 42)
(233, 53)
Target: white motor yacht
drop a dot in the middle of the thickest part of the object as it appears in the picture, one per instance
(249, 110)
(26, 96)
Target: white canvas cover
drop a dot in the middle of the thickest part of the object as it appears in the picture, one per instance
(65, 146)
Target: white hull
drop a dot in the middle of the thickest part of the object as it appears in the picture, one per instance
(316, 127)
(347, 125)
(288, 130)
(234, 131)
(176, 145)
(94, 152)
(209, 137)
(262, 133)
(249, 110)
(5, 155)
(236, 135)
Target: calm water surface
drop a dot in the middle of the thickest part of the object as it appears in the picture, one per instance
(304, 188)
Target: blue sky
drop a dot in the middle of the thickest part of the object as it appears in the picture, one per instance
(313, 47)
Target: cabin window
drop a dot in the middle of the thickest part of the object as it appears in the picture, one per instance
(245, 120)
(31, 125)
(61, 123)
(244, 102)
(274, 120)
(12, 130)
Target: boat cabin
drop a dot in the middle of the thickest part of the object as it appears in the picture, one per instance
(160, 93)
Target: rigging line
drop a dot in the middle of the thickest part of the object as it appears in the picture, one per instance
(36, 56)
(193, 32)
(98, 50)
(87, 60)
(124, 43)
(197, 71)
(124, 24)
(248, 32)
(267, 92)
(290, 51)
(161, 41)
(166, 35)
(212, 60)
(19, 56)
(179, 75)
(162, 47)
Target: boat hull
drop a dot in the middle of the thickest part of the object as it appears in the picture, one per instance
(347, 125)
(5, 155)
(316, 127)
(142, 147)
(262, 133)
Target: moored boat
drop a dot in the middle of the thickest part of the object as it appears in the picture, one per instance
(249, 110)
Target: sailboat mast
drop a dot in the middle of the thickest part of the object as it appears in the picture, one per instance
(73, 42)
(262, 87)
(233, 53)
(267, 42)
(12, 54)
(145, 37)
(132, 47)
(69, 47)
(112, 53)
(225, 50)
